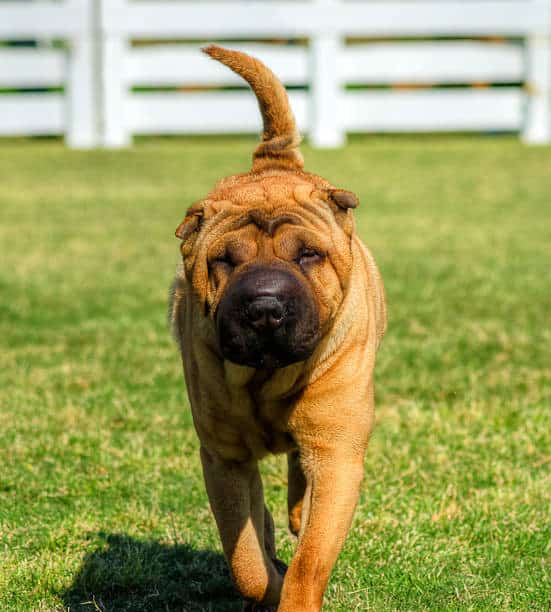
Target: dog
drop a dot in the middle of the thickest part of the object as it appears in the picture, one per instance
(279, 310)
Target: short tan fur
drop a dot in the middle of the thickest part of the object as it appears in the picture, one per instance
(318, 411)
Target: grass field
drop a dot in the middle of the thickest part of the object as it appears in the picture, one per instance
(102, 505)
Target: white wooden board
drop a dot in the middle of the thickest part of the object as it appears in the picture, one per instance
(374, 63)
(20, 67)
(432, 62)
(155, 65)
(40, 19)
(432, 110)
(201, 113)
(263, 19)
(366, 110)
(32, 114)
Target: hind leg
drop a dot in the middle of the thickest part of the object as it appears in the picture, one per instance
(296, 491)
(269, 542)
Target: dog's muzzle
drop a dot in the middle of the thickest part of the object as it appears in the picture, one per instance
(267, 318)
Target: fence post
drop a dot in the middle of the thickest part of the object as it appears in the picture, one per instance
(82, 83)
(537, 127)
(114, 45)
(325, 124)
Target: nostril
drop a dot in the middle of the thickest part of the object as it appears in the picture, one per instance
(265, 311)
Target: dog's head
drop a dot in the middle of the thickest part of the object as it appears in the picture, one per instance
(268, 253)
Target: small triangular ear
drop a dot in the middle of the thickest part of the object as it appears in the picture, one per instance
(188, 226)
(341, 202)
(343, 199)
(191, 222)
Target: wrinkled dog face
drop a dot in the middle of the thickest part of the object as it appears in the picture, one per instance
(267, 261)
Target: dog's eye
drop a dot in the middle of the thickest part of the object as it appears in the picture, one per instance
(225, 261)
(308, 256)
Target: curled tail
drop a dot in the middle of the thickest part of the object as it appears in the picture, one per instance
(281, 139)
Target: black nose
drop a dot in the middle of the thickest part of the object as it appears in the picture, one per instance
(265, 313)
(267, 318)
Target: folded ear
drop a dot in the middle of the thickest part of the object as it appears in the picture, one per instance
(191, 222)
(343, 199)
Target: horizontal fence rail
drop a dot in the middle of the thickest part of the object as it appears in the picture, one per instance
(31, 114)
(31, 68)
(104, 70)
(303, 19)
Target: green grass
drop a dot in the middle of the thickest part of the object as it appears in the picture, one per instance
(102, 505)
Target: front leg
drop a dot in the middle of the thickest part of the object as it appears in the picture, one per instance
(237, 501)
(332, 432)
(333, 487)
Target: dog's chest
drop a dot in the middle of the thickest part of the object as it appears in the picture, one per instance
(259, 424)
(253, 422)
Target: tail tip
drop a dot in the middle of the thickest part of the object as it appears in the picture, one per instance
(212, 50)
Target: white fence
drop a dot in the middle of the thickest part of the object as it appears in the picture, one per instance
(357, 66)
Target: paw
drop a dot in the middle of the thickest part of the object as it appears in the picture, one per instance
(295, 518)
(251, 606)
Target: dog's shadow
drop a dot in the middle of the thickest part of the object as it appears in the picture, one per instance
(127, 574)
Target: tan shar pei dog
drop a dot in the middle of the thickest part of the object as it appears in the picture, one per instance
(278, 310)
